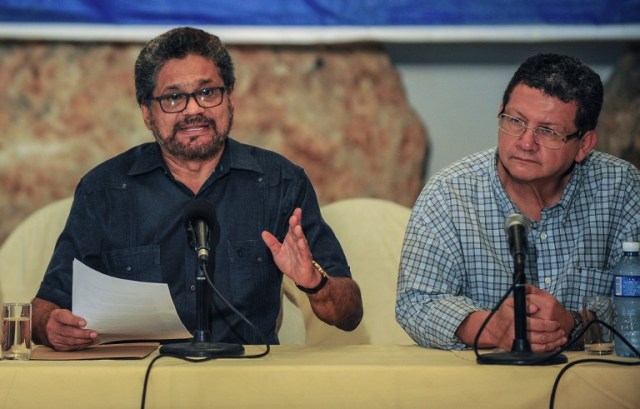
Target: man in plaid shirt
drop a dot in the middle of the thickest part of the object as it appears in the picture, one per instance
(456, 263)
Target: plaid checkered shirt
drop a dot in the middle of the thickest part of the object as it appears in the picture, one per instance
(456, 260)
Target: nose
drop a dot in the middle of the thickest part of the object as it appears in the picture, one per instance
(528, 139)
(192, 106)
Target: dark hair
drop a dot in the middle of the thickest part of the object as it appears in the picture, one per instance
(566, 78)
(177, 44)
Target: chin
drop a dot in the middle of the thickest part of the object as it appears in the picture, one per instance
(199, 148)
(201, 152)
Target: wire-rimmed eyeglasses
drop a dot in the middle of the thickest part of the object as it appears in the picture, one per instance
(546, 137)
(177, 102)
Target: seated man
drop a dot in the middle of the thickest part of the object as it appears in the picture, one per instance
(127, 216)
(456, 264)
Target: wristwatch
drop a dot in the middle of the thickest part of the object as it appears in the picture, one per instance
(578, 324)
(323, 281)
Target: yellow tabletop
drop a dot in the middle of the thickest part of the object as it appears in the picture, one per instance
(298, 376)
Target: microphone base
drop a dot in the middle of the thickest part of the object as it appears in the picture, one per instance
(521, 358)
(202, 350)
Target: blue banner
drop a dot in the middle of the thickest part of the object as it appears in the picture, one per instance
(323, 12)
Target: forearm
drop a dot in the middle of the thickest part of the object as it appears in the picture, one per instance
(40, 316)
(339, 303)
(468, 330)
(430, 319)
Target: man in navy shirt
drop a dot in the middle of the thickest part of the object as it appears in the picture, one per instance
(127, 216)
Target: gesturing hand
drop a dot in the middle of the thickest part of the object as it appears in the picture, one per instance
(293, 256)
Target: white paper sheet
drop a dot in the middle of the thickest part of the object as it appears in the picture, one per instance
(124, 309)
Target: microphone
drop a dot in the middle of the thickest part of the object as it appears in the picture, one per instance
(200, 218)
(517, 228)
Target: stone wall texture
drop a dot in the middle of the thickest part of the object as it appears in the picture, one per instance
(619, 124)
(338, 111)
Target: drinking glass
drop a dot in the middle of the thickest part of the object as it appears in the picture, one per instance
(16, 331)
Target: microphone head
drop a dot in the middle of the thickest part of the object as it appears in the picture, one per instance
(200, 209)
(515, 219)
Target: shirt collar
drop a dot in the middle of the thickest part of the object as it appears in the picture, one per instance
(501, 195)
(238, 156)
(571, 192)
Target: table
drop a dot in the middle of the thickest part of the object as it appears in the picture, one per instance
(299, 376)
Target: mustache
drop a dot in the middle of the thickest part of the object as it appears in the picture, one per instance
(194, 120)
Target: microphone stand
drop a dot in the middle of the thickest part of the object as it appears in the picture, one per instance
(520, 353)
(201, 345)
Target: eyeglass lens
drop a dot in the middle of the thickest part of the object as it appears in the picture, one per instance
(543, 136)
(205, 98)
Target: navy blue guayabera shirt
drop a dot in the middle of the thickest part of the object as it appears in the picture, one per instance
(127, 221)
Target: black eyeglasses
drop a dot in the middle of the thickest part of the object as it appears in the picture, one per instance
(177, 102)
(546, 137)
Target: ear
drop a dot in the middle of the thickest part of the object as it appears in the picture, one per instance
(146, 115)
(587, 144)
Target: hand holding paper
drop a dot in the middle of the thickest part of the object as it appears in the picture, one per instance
(124, 309)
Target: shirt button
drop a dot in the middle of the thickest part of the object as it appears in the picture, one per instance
(193, 287)
(260, 179)
(128, 268)
(124, 185)
(547, 280)
(259, 259)
(543, 236)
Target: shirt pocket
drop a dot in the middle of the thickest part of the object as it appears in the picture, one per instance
(136, 263)
(576, 282)
(249, 281)
(593, 281)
